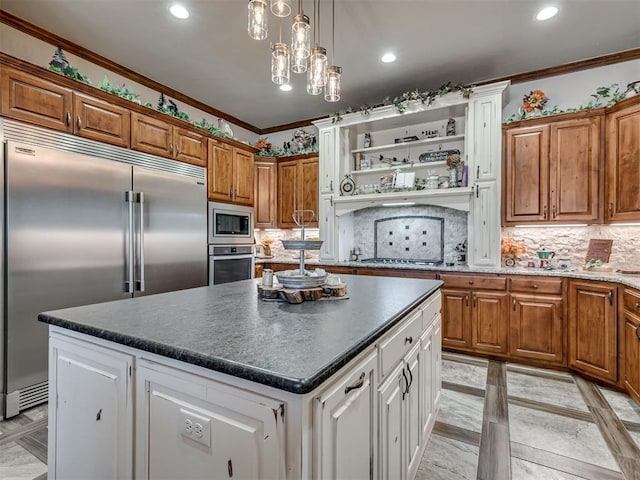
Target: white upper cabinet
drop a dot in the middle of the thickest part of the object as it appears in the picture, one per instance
(484, 137)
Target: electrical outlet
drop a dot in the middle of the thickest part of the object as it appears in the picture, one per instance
(195, 426)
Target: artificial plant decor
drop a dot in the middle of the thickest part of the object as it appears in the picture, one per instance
(169, 107)
(401, 102)
(125, 92)
(212, 129)
(59, 64)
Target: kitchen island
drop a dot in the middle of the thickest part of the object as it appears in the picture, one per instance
(216, 382)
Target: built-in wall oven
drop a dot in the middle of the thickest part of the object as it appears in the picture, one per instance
(230, 224)
(230, 263)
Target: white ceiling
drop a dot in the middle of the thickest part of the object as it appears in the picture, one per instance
(211, 58)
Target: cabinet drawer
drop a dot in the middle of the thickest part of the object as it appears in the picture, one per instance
(475, 282)
(536, 285)
(631, 300)
(430, 308)
(399, 341)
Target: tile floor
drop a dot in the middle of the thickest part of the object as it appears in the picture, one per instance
(496, 422)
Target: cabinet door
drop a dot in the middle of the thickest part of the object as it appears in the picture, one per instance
(574, 165)
(265, 195)
(632, 354)
(485, 116)
(346, 432)
(593, 329)
(308, 199)
(151, 135)
(287, 193)
(30, 99)
(391, 395)
(328, 146)
(427, 382)
(242, 177)
(489, 324)
(436, 340)
(623, 162)
(102, 121)
(413, 425)
(191, 427)
(456, 318)
(92, 414)
(189, 147)
(526, 170)
(484, 240)
(219, 170)
(327, 228)
(536, 328)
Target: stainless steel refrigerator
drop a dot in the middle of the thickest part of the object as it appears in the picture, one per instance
(80, 229)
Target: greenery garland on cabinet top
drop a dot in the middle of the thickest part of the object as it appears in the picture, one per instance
(401, 102)
(611, 93)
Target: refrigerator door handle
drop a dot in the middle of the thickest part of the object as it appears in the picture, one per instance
(130, 250)
(141, 281)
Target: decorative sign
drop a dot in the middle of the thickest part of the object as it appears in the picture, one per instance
(437, 156)
(599, 250)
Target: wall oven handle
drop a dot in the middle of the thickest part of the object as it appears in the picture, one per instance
(130, 252)
(141, 281)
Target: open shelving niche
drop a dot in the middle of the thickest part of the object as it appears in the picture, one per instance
(385, 124)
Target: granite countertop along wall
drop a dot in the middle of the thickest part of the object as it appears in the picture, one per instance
(627, 280)
(227, 328)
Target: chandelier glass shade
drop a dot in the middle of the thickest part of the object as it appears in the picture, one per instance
(257, 21)
(301, 36)
(280, 63)
(317, 72)
(281, 8)
(332, 87)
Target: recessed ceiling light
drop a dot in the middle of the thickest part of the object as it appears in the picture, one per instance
(546, 13)
(388, 57)
(286, 87)
(179, 11)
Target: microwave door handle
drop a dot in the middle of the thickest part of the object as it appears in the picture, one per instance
(141, 281)
(130, 243)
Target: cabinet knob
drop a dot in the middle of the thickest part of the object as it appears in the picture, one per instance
(358, 384)
(470, 282)
(408, 340)
(534, 285)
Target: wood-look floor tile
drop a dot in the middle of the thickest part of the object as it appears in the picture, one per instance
(35, 443)
(456, 387)
(457, 357)
(562, 463)
(24, 430)
(457, 433)
(547, 407)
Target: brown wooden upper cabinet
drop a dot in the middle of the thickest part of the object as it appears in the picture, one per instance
(154, 136)
(551, 169)
(297, 190)
(31, 99)
(623, 161)
(230, 172)
(265, 195)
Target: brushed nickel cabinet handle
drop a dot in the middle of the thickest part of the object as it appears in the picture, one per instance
(553, 209)
(544, 212)
(79, 122)
(410, 378)
(466, 299)
(171, 148)
(514, 304)
(358, 384)
(68, 119)
(406, 382)
(611, 210)
(474, 300)
(610, 296)
(638, 332)
(177, 149)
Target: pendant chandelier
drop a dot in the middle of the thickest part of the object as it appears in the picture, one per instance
(299, 56)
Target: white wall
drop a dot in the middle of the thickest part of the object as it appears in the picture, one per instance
(30, 49)
(574, 89)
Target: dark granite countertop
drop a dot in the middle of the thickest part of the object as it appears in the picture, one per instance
(228, 329)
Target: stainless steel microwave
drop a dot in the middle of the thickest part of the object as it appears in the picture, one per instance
(230, 224)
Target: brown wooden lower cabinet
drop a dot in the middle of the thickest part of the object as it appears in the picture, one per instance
(456, 318)
(631, 341)
(593, 329)
(489, 322)
(536, 327)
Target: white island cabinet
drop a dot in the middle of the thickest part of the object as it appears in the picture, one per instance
(131, 408)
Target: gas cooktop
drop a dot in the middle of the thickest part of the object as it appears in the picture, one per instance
(400, 261)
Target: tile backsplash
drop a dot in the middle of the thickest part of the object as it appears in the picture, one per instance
(364, 236)
(572, 242)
